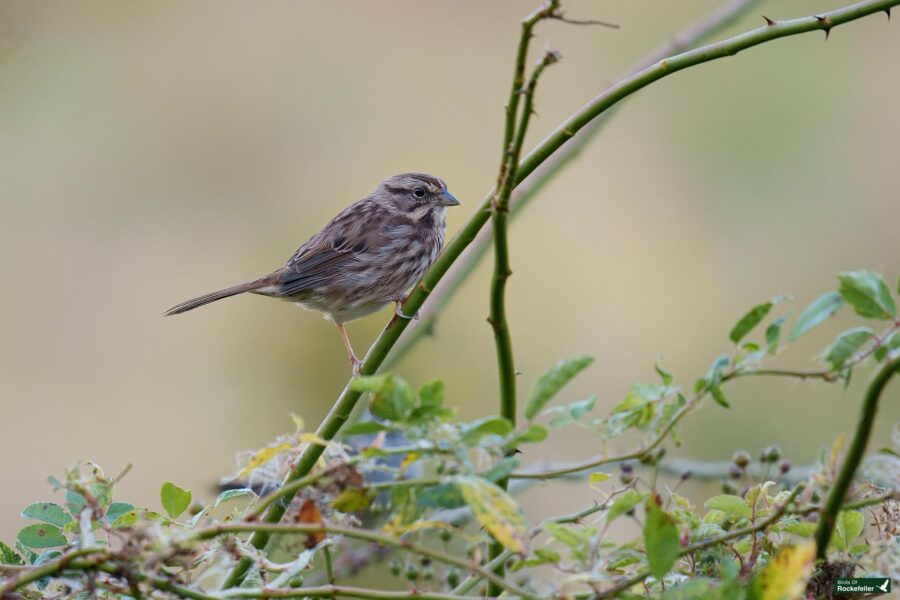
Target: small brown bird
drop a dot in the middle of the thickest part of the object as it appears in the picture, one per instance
(363, 259)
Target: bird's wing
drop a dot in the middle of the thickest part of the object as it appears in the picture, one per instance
(326, 263)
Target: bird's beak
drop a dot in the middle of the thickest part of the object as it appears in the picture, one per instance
(447, 199)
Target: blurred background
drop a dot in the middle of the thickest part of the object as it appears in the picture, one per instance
(155, 151)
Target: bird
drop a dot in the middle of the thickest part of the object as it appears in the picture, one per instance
(366, 257)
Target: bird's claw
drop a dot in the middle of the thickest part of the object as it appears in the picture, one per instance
(356, 365)
(398, 310)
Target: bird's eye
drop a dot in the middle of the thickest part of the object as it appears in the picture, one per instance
(419, 192)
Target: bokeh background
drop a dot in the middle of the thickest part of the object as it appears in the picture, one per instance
(154, 151)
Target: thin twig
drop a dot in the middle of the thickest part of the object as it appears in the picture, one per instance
(360, 534)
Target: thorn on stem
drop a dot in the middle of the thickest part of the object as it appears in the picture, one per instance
(769, 21)
(825, 22)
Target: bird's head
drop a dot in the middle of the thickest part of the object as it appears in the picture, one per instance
(416, 195)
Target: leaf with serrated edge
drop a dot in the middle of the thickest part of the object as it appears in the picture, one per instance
(868, 294)
(496, 511)
(552, 381)
(818, 311)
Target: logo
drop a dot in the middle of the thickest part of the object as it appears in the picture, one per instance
(862, 585)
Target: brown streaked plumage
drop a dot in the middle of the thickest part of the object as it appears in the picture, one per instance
(363, 259)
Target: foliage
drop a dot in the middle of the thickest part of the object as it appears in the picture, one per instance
(437, 497)
(416, 480)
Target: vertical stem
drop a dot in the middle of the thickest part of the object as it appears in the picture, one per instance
(512, 149)
(828, 517)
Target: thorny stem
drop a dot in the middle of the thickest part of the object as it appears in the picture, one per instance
(526, 190)
(378, 351)
(828, 517)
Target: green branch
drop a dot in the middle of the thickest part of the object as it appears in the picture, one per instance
(341, 410)
(854, 456)
(685, 39)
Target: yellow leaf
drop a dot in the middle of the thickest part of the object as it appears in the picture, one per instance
(262, 456)
(496, 511)
(596, 478)
(785, 576)
(298, 422)
(311, 438)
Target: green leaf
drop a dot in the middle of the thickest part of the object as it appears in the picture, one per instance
(41, 535)
(728, 504)
(552, 381)
(494, 425)
(773, 334)
(719, 396)
(846, 345)
(660, 540)
(233, 494)
(432, 393)
(8, 556)
(530, 435)
(128, 519)
(576, 539)
(801, 528)
(174, 499)
(75, 503)
(116, 510)
(353, 500)
(624, 503)
(444, 495)
(570, 413)
(596, 478)
(47, 512)
(868, 294)
(542, 556)
(501, 470)
(714, 374)
(693, 589)
(849, 526)
(663, 374)
(392, 398)
(364, 428)
(750, 320)
(496, 511)
(821, 309)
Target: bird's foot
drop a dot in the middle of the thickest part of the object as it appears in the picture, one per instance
(356, 365)
(398, 309)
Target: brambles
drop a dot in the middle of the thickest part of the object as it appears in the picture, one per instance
(438, 498)
(421, 479)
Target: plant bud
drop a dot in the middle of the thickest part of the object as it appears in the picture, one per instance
(770, 454)
(741, 459)
(729, 488)
(452, 578)
(784, 466)
(735, 472)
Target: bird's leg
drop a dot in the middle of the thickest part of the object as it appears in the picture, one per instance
(355, 363)
(398, 306)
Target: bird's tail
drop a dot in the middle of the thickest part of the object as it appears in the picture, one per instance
(234, 290)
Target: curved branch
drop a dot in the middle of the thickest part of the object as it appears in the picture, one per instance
(461, 270)
(341, 410)
(855, 452)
